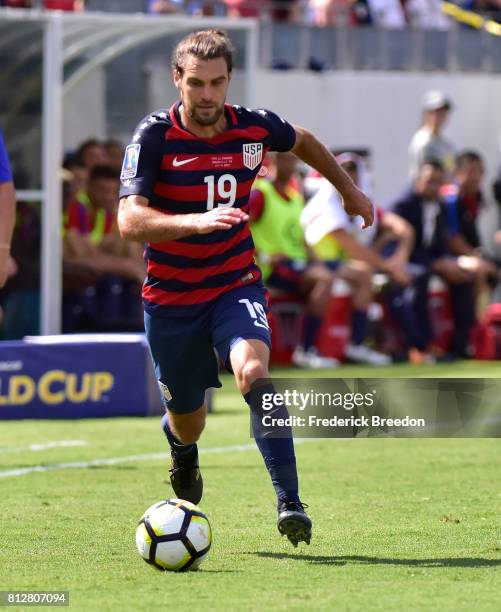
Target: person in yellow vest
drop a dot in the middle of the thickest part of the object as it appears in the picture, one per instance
(102, 273)
(287, 264)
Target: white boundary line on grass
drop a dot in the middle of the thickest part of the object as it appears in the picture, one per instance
(116, 460)
(42, 446)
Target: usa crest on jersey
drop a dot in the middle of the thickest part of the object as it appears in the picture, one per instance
(253, 154)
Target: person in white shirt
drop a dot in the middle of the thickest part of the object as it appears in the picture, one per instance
(355, 254)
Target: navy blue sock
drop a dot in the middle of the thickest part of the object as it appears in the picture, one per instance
(277, 452)
(179, 449)
(311, 326)
(358, 326)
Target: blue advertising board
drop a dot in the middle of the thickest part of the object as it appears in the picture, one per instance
(75, 377)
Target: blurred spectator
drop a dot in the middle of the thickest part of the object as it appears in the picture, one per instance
(18, 3)
(427, 14)
(463, 202)
(277, 10)
(246, 8)
(7, 215)
(114, 150)
(91, 216)
(422, 208)
(102, 277)
(7, 218)
(76, 180)
(360, 13)
(323, 12)
(428, 142)
(490, 8)
(158, 7)
(64, 5)
(91, 153)
(337, 239)
(387, 14)
(496, 189)
(286, 10)
(287, 266)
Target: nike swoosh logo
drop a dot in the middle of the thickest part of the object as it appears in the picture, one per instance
(182, 162)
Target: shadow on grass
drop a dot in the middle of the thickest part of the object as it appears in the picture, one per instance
(115, 466)
(213, 571)
(356, 559)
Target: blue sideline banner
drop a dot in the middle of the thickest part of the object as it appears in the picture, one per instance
(75, 377)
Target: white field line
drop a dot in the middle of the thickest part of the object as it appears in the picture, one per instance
(154, 456)
(116, 460)
(42, 446)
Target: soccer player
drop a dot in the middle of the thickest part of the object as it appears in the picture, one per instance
(7, 215)
(186, 181)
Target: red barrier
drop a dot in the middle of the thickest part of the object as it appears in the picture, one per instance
(286, 323)
(287, 314)
(487, 334)
(336, 328)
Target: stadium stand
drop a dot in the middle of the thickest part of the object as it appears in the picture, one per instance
(335, 36)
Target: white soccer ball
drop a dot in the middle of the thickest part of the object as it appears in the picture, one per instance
(174, 535)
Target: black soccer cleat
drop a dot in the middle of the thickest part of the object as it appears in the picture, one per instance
(294, 522)
(186, 479)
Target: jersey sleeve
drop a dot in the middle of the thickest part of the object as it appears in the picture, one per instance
(143, 158)
(5, 170)
(282, 135)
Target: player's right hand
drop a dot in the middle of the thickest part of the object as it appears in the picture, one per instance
(221, 218)
(355, 202)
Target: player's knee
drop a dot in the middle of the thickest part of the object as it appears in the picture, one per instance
(251, 371)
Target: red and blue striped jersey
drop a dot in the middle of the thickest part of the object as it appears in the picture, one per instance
(181, 173)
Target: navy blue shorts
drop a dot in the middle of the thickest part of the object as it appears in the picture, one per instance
(186, 350)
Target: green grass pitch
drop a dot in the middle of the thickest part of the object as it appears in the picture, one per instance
(399, 524)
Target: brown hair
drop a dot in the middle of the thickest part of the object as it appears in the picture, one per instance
(204, 45)
(467, 157)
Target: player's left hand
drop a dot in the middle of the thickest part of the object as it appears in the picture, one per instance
(355, 203)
